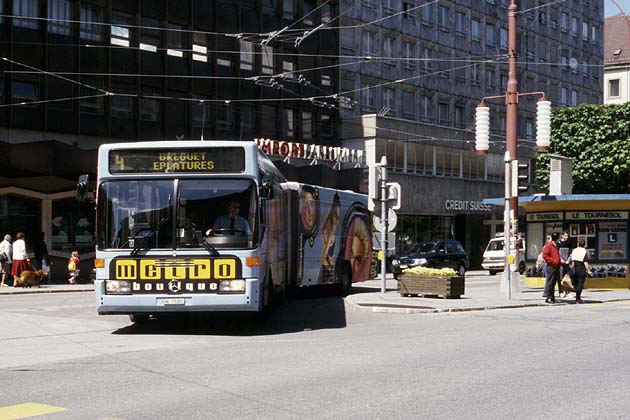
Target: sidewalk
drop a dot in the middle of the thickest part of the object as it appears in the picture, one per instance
(47, 288)
(482, 292)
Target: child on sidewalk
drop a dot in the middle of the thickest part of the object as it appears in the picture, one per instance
(73, 267)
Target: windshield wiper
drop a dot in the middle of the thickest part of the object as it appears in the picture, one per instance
(190, 227)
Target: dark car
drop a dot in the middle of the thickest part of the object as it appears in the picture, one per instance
(433, 254)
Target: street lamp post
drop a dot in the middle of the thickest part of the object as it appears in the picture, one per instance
(511, 140)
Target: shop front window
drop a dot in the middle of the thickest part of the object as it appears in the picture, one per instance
(20, 214)
(72, 226)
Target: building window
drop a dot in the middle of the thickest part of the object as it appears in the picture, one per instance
(288, 10)
(475, 30)
(71, 228)
(585, 31)
(288, 123)
(225, 117)
(529, 129)
(444, 113)
(367, 98)
(268, 120)
(327, 125)
(174, 41)
(267, 60)
(490, 77)
(408, 106)
(563, 96)
(426, 108)
(447, 162)
(426, 14)
(307, 126)
(121, 107)
(574, 26)
(490, 36)
(388, 7)
(201, 114)
(200, 47)
(368, 42)
(444, 18)
(26, 8)
(90, 104)
(247, 56)
(326, 80)
(307, 12)
(564, 22)
(120, 35)
(326, 11)
(407, 7)
(460, 24)
(288, 69)
(90, 23)
(427, 60)
(594, 34)
(24, 91)
(613, 88)
(149, 38)
(149, 109)
(409, 55)
(389, 101)
(22, 214)
(389, 48)
(460, 116)
(59, 13)
(475, 76)
(503, 39)
(574, 98)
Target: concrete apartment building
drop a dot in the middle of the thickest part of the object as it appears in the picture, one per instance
(429, 65)
(617, 60)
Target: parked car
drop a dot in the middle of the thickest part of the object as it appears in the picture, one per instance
(433, 254)
(494, 257)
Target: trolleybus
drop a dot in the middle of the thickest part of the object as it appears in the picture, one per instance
(160, 248)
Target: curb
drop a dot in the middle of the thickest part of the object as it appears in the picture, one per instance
(416, 310)
(40, 291)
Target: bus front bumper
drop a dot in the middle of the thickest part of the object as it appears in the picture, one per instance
(112, 304)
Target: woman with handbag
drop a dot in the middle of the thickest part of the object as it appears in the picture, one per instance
(6, 255)
(579, 258)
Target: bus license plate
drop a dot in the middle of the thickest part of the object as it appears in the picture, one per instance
(174, 301)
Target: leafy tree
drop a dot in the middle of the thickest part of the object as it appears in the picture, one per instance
(597, 138)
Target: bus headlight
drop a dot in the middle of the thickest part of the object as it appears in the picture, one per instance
(118, 287)
(233, 286)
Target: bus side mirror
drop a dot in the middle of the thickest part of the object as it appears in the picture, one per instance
(266, 191)
(82, 187)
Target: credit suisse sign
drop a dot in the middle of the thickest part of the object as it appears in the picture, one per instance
(466, 206)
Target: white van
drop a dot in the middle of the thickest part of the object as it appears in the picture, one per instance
(494, 258)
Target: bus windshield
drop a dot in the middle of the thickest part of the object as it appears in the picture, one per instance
(176, 213)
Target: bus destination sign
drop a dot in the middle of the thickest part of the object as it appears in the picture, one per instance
(190, 160)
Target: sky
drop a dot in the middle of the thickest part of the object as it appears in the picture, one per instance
(611, 10)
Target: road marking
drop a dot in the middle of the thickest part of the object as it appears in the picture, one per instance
(22, 411)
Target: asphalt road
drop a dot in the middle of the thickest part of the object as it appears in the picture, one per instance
(314, 359)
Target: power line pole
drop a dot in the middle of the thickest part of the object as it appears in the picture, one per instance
(511, 103)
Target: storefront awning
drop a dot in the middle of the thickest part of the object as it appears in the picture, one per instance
(568, 201)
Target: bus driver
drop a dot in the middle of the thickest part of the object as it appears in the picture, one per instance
(231, 223)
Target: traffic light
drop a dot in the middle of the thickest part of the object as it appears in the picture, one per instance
(523, 176)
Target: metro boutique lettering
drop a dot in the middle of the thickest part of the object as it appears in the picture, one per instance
(466, 205)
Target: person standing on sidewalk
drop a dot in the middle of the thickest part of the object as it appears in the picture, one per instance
(40, 249)
(579, 260)
(552, 258)
(564, 248)
(7, 250)
(21, 261)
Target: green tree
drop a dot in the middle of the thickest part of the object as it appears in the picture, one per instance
(597, 138)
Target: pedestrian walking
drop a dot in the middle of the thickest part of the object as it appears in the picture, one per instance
(552, 258)
(21, 261)
(579, 261)
(40, 251)
(564, 248)
(6, 256)
(73, 267)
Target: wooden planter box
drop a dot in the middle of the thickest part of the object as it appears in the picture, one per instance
(447, 287)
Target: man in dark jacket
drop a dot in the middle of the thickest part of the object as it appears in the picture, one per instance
(551, 255)
(564, 248)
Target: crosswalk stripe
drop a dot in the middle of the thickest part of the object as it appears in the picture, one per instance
(22, 411)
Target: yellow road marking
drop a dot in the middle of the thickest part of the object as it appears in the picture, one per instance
(22, 411)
